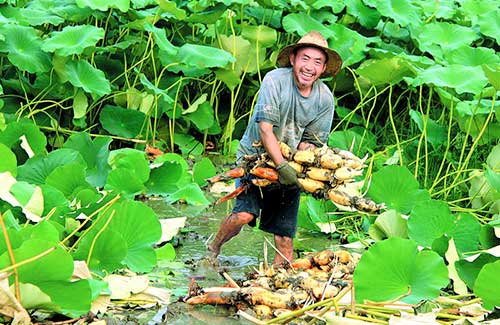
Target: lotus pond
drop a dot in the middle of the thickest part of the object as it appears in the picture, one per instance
(239, 256)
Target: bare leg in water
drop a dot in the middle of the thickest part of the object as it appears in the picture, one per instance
(229, 227)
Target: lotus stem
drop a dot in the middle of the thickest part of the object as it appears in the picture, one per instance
(94, 240)
(366, 319)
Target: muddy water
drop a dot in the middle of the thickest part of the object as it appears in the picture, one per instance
(239, 256)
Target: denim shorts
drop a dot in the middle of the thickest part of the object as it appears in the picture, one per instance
(276, 205)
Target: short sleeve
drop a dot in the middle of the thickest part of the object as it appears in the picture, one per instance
(267, 106)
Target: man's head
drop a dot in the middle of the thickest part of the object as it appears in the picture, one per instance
(312, 40)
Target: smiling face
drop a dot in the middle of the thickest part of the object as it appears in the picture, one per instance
(308, 64)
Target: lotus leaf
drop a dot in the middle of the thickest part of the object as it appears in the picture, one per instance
(127, 123)
(161, 39)
(389, 224)
(368, 17)
(202, 170)
(24, 47)
(157, 91)
(188, 144)
(302, 23)
(95, 153)
(13, 133)
(73, 39)
(444, 9)
(441, 36)
(203, 118)
(397, 188)
(44, 230)
(122, 5)
(165, 178)
(350, 44)
(38, 168)
(262, 35)
(202, 56)
(489, 24)
(124, 181)
(386, 71)
(463, 79)
(191, 194)
(472, 56)
(9, 160)
(469, 270)
(435, 133)
(363, 140)
(81, 74)
(395, 269)
(493, 75)
(403, 12)
(430, 220)
(68, 179)
(487, 285)
(466, 233)
(207, 15)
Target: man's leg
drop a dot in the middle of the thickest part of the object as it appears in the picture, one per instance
(285, 246)
(229, 227)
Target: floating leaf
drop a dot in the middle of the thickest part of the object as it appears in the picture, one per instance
(127, 123)
(403, 272)
(487, 285)
(73, 39)
(397, 188)
(81, 74)
(203, 56)
(23, 46)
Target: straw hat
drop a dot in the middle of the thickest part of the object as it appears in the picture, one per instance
(314, 39)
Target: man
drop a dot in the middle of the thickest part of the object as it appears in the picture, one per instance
(295, 107)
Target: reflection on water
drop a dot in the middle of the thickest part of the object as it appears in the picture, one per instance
(238, 257)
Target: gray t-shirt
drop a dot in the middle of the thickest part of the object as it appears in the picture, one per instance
(295, 118)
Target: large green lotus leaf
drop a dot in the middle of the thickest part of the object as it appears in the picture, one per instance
(386, 71)
(127, 123)
(161, 39)
(435, 133)
(34, 16)
(23, 46)
(36, 169)
(124, 181)
(350, 44)
(68, 178)
(487, 285)
(163, 179)
(203, 56)
(27, 196)
(443, 34)
(107, 251)
(241, 49)
(309, 214)
(81, 74)
(430, 220)
(54, 198)
(493, 75)
(487, 236)
(472, 56)
(466, 233)
(202, 170)
(262, 35)
(95, 153)
(12, 134)
(395, 269)
(203, 118)
(191, 194)
(140, 228)
(471, 9)
(172, 158)
(8, 163)
(43, 230)
(62, 8)
(489, 24)
(469, 270)
(207, 15)
(122, 5)
(364, 141)
(230, 77)
(389, 224)
(403, 12)
(131, 159)
(444, 9)
(72, 298)
(302, 23)
(397, 188)
(73, 39)
(463, 79)
(15, 238)
(188, 144)
(367, 17)
(56, 265)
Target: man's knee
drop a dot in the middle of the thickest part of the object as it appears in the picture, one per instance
(243, 217)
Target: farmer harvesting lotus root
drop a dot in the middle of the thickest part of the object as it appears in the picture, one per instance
(294, 107)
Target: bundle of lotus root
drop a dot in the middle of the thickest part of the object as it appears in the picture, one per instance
(324, 172)
(271, 291)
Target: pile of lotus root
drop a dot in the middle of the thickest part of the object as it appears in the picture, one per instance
(324, 172)
(271, 292)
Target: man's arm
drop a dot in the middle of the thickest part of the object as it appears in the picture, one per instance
(270, 142)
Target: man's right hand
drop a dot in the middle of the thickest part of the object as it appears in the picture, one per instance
(286, 174)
